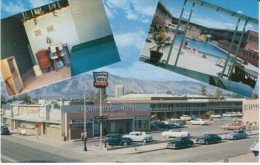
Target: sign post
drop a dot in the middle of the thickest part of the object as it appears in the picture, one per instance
(100, 81)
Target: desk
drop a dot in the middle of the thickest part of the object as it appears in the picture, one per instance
(43, 59)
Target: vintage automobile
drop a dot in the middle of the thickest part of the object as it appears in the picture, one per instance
(175, 133)
(180, 142)
(236, 135)
(174, 124)
(233, 126)
(139, 136)
(216, 116)
(5, 130)
(117, 139)
(208, 138)
(185, 117)
(197, 122)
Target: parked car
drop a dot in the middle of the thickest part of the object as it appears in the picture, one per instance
(180, 142)
(5, 130)
(162, 125)
(185, 117)
(175, 133)
(226, 114)
(173, 27)
(139, 136)
(154, 126)
(234, 126)
(117, 139)
(216, 116)
(208, 138)
(236, 135)
(197, 122)
(193, 117)
(176, 123)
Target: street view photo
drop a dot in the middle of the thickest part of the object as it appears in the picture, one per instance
(194, 99)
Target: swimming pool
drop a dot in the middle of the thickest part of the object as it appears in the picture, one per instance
(203, 47)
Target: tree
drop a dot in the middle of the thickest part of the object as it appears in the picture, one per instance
(130, 92)
(169, 92)
(91, 95)
(217, 93)
(3, 100)
(255, 96)
(203, 90)
(104, 95)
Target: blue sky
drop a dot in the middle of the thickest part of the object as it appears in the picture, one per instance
(130, 20)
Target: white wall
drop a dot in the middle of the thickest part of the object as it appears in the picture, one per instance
(64, 30)
(92, 22)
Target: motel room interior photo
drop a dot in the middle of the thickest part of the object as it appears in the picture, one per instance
(54, 42)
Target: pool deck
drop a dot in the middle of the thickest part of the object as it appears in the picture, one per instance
(191, 61)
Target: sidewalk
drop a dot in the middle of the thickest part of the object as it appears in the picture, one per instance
(95, 149)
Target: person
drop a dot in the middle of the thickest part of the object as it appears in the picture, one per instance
(194, 50)
(186, 44)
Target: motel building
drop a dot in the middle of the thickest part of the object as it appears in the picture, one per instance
(125, 114)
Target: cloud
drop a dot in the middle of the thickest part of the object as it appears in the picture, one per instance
(130, 39)
(38, 3)
(13, 8)
(133, 10)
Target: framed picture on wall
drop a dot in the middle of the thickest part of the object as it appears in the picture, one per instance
(37, 33)
(50, 28)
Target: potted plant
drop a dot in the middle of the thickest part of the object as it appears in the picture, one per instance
(161, 42)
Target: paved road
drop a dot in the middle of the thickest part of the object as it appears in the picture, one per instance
(14, 150)
(198, 153)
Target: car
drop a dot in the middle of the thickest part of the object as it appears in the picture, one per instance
(208, 138)
(216, 116)
(176, 123)
(236, 135)
(138, 136)
(233, 126)
(173, 27)
(154, 126)
(180, 142)
(117, 139)
(185, 117)
(175, 133)
(193, 117)
(5, 130)
(197, 122)
(226, 114)
(162, 125)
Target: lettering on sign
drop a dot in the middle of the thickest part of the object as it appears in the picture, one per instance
(110, 108)
(29, 110)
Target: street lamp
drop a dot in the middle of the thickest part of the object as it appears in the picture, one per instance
(84, 134)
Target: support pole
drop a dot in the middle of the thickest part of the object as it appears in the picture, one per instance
(184, 34)
(84, 134)
(237, 50)
(174, 38)
(230, 49)
(100, 114)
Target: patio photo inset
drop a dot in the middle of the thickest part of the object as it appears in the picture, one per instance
(54, 42)
(223, 54)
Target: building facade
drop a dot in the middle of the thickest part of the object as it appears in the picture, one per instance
(119, 90)
(125, 114)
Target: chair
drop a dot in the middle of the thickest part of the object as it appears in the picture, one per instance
(57, 54)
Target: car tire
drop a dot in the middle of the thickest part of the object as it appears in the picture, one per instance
(144, 141)
(235, 138)
(125, 144)
(206, 142)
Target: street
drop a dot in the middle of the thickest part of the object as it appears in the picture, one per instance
(17, 148)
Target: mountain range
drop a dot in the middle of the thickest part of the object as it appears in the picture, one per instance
(74, 87)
